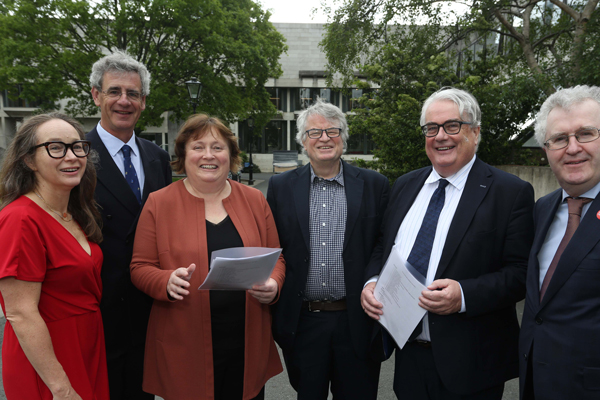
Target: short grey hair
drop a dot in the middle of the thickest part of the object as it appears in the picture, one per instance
(119, 61)
(466, 102)
(564, 98)
(326, 110)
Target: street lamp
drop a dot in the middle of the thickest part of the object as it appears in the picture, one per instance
(194, 88)
(251, 127)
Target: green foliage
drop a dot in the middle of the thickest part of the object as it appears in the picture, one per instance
(511, 55)
(49, 46)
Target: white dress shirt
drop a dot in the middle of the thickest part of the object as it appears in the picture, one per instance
(557, 231)
(411, 224)
(114, 145)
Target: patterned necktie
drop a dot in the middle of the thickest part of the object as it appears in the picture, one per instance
(575, 207)
(130, 175)
(421, 251)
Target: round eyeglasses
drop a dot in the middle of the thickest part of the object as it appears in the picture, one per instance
(450, 127)
(561, 140)
(56, 149)
(316, 133)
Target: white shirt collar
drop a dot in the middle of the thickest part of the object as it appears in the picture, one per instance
(458, 180)
(113, 144)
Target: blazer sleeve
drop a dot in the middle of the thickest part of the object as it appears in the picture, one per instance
(146, 273)
(273, 241)
(506, 286)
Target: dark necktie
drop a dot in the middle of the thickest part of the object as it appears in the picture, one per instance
(421, 251)
(575, 207)
(130, 175)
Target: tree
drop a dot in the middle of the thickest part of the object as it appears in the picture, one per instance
(49, 46)
(509, 54)
(549, 41)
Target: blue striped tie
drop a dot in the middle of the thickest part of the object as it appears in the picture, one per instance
(130, 175)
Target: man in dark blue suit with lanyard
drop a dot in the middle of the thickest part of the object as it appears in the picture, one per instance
(130, 169)
(559, 348)
(468, 228)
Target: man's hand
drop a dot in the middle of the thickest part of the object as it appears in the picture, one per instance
(266, 292)
(369, 303)
(443, 297)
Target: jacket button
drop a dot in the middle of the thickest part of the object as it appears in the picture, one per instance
(525, 356)
(300, 293)
(539, 320)
(109, 216)
(306, 260)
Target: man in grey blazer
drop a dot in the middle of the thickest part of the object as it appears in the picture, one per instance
(130, 169)
(559, 349)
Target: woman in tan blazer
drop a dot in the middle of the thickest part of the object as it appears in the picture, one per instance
(205, 344)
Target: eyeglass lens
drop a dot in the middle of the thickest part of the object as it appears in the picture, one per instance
(450, 127)
(317, 133)
(59, 149)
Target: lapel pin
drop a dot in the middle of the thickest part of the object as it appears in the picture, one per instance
(483, 186)
(598, 215)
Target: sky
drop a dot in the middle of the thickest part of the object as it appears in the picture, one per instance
(298, 11)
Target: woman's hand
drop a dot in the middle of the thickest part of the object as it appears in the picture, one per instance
(266, 292)
(179, 282)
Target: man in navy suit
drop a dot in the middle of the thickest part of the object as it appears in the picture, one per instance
(559, 346)
(469, 226)
(328, 215)
(130, 169)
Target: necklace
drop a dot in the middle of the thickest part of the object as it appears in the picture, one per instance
(64, 216)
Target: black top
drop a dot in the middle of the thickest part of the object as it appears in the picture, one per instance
(227, 307)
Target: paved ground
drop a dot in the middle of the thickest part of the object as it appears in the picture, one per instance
(278, 388)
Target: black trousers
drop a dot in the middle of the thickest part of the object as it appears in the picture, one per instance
(125, 375)
(416, 377)
(323, 354)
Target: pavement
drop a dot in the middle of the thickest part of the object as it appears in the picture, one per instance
(278, 388)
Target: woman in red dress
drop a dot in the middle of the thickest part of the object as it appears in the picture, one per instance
(50, 262)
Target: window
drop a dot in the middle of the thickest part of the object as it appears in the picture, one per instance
(11, 98)
(278, 97)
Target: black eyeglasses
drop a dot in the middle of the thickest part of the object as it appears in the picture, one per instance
(132, 95)
(561, 140)
(450, 127)
(330, 132)
(80, 148)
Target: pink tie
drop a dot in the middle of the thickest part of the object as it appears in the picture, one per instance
(575, 207)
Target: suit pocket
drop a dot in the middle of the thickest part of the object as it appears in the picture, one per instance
(591, 378)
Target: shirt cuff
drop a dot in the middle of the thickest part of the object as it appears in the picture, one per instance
(463, 307)
(374, 278)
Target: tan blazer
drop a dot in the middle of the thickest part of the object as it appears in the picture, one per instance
(171, 233)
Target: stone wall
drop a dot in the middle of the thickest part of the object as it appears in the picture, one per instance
(541, 178)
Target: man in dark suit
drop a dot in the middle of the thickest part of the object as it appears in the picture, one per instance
(559, 347)
(328, 215)
(468, 228)
(130, 169)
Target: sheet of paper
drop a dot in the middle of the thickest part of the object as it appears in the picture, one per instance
(399, 290)
(240, 268)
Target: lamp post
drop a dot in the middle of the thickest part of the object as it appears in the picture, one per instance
(194, 87)
(251, 126)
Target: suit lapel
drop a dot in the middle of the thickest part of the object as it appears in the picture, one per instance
(151, 167)
(407, 196)
(585, 238)
(110, 177)
(300, 185)
(544, 215)
(354, 194)
(477, 185)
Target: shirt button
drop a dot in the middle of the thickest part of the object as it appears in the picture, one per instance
(324, 205)
(322, 265)
(324, 284)
(323, 223)
(323, 243)
(324, 188)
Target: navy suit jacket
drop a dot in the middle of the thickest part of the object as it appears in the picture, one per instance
(288, 196)
(125, 310)
(561, 334)
(486, 252)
